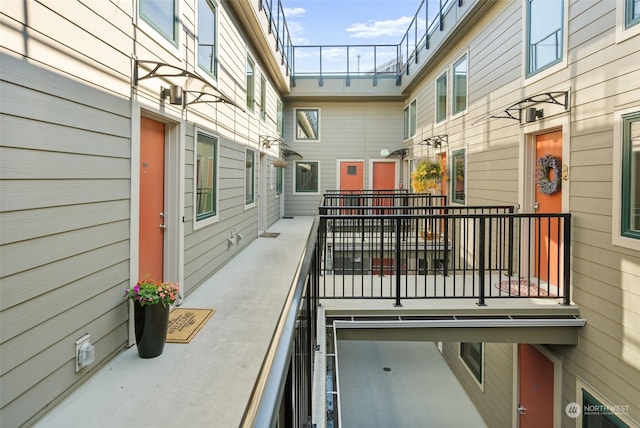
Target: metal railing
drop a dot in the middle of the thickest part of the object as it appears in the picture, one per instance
(418, 252)
(274, 11)
(377, 198)
(286, 377)
(373, 61)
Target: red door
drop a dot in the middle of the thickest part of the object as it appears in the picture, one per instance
(351, 182)
(384, 181)
(351, 177)
(535, 408)
(151, 245)
(546, 251)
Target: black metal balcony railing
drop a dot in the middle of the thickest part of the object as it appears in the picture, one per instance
(378, 199)
(357, 61)
(285, 385)
(388, 247)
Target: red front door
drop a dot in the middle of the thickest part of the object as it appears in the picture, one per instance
(546, 251)
(535, 407)
(151, 245)
(351, 182)
(384, 179)
(351, 176)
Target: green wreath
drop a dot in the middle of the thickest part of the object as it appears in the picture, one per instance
(548, 185)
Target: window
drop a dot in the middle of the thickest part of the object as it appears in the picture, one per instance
(307, 124)
(162, 15)
(280, 118)
(279, 174)
(306, 177)
(457, 176)
(206, 176)
(250, 83)
(630, 198)
(459, 86)
(249, 176)
(207, 54)
(631, 13)
(412, 114)
(471, 354)
(597, 415)
(405, 118)
(441, 98)
(410, 120)
(544, 34)
(263, 98)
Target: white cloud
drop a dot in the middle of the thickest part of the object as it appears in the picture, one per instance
(291, 12)
(373, 29)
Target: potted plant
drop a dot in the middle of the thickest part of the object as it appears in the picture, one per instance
(151, 304)
(427, 176)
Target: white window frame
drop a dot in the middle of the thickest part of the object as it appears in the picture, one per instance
(295, 125)
(213, 79)
(545, 72)
(280, 119)
(295, 172)
(466, 89)
(616, 236)
(446, 101)
(252, 203)
(198, 224)
(452, 180)
(250, 100)
(622, 32)
(410, 119)
(263, 97)
(176, 50)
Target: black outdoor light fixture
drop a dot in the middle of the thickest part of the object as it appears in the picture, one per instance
(532, 114)
(174, 92)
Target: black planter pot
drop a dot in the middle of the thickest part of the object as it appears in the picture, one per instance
(151, 322)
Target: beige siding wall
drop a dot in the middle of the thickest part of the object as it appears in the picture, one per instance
(349, 131)
(66, 191)
(601, 76)
(493, 398)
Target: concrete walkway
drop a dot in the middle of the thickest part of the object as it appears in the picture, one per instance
(208, 382)
(400, 384)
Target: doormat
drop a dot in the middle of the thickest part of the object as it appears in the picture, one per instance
(185, 323)
(270, 235)
(522, 287)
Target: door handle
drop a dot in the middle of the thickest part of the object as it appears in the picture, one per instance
(522, 410)
(536, 205)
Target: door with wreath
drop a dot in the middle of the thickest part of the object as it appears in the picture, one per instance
(548, 199)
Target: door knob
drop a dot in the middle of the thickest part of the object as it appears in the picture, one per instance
(522, 410)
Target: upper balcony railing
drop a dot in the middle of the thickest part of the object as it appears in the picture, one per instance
(373, 61)
(398, 247)
(278, 26)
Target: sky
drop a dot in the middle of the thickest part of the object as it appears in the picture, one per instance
(342, 22)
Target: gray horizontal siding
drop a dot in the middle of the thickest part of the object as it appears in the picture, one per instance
(64, 221)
